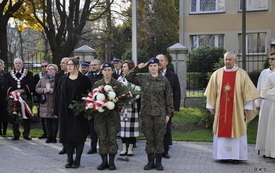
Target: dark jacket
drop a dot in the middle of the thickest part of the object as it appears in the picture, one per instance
(94, 77)
(175, 86)
(72, 128)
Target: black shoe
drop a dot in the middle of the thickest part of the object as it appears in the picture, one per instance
(235, 162)
(54, 140)
(75, 165)
(69, 165)
(224, 161)
(43, 136)
(264, 156)
(91, 151)
(63, 151)
(166, 155)
(49, 140)
(27, 138)
(15, 138)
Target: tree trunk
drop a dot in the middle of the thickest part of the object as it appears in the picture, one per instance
(3, 41)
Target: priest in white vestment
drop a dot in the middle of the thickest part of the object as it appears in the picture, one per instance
(268, 92)
(264, 105)
(230, 97)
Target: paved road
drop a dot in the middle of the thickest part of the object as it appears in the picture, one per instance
(36, 156)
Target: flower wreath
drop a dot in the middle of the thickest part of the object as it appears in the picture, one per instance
(105, 99)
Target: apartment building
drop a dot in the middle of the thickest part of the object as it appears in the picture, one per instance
(219, 23)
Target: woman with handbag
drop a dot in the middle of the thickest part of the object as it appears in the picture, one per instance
(44, 87)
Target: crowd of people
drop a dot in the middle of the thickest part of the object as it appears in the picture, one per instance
(52, 91)
(231, 97)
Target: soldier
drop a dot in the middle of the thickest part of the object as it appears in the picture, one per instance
(20, 80)
(156, 108)
(107, 125)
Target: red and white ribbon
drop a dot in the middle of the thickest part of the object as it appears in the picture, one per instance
(24, 106)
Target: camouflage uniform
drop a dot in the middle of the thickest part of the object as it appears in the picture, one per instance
(107, 125)
(156, 104)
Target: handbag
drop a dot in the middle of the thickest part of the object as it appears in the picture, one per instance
(42, 98)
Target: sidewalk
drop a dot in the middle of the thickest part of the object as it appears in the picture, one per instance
(36, 156)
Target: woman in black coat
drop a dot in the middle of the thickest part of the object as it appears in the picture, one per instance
(73, 128)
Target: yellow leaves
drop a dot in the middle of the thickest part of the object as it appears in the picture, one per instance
(24, 15)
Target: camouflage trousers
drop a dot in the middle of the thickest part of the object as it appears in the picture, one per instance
(107, 126)
(154, 128)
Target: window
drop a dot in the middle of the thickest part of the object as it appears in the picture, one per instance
(207, 40)
(256, 43)
(253, 5)
(207, 6)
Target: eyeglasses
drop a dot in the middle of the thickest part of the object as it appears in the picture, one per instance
(271, 59)
(44, 65)
(70, 64)
(94, 64)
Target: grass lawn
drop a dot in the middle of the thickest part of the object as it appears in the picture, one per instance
(190, 124)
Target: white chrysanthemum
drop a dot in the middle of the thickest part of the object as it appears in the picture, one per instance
(100, 97)
(110, 105)
(100, 109)
(124, 83)
(111, 95)
(137, 88)
(108, 88)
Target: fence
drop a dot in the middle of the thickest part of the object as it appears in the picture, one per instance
(198, 73)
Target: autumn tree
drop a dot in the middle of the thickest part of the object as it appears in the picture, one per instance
(63, 22)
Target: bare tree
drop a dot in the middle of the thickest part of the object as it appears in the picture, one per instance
(7, 9)
(63, 22)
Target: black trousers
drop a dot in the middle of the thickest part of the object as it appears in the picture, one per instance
(26, 125)
(93, 134)
(51, 125)
(167, 140)
(78, 146)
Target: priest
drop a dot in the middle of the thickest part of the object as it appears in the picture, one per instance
(230, 97)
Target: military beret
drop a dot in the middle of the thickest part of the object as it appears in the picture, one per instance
(153, 60)
(106, 64)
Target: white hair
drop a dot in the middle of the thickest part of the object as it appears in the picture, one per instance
(16, 59)
(230, 53)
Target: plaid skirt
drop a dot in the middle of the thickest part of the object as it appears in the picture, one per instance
(129, 121)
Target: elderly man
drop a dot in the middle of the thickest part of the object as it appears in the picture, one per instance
(230, 94)
(94, 76)
(58, 76)
(20, 80)
(36, 98)
(175, 86)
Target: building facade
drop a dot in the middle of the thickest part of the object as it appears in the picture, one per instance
(218, 23)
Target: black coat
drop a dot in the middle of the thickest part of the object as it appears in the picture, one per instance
(57, 77)
(4, 116)
(72, 128)
(94, 77)
(175, 86)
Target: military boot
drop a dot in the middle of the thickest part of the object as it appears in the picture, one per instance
(104, 163)
(112, 165)
(158, 162)
(150, 164)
